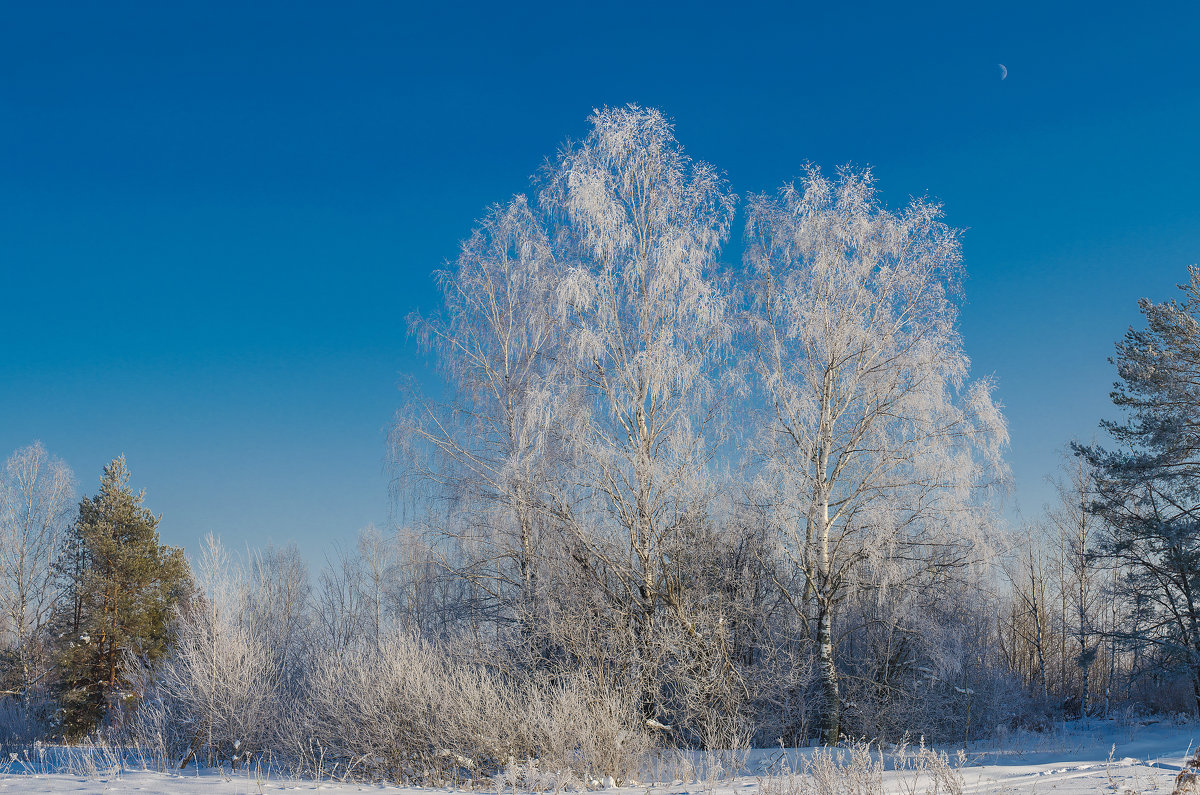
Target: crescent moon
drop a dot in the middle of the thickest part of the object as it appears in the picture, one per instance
(1003, 70)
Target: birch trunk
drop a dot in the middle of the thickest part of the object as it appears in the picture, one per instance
(831, 715)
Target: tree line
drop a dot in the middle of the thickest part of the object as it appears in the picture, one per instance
(652, 500)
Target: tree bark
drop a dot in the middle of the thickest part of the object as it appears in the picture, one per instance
(1085, 669)
(831, 717)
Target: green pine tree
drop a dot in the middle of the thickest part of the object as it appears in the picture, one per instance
(1147, 486)
(121, 587)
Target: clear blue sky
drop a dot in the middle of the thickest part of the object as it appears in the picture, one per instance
(216, 216)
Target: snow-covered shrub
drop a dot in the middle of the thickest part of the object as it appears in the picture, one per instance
(403, 710)
(592, 730)
(857, 770)
(210, 701)
(215, 697)
(407, 710)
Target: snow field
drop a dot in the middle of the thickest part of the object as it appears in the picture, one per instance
(1078, 758)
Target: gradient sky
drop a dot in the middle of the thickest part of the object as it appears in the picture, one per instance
(215, 217)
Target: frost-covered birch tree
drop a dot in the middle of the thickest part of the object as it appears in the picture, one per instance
(483, 445)
(873, 440)
(646, 327)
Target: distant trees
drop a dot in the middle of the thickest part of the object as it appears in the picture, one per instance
(1103, 606)
(120, 593)
(1065, 624)
(1029, 620)
(1147, 487)
(1077, 532)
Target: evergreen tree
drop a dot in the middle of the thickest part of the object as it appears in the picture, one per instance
(1148, 488)
(121, 589)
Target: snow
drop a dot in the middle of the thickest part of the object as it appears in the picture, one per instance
(1101, 756)
(1090, 759)
(1075, 758)
(148, 783)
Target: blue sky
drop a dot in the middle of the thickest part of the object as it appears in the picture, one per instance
(215, 217)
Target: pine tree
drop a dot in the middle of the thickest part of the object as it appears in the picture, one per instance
(121, 589)
(1148, 487)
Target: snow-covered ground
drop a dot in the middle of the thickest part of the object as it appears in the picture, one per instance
(1074, 759)
(1103, 757)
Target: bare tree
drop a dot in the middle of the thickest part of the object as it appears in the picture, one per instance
(1028, 622)
(1078, 531)
(36, 497)
(379, 568)
(359, 590)
(483, 447)
(874, 441)
(424, 596)
(339, 607)
(280, 611)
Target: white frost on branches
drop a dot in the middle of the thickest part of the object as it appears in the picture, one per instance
(873, 442)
